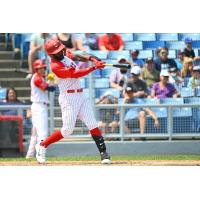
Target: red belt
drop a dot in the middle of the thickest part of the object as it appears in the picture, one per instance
(73, 91)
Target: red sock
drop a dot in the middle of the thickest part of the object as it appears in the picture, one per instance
(95, 132)
(54, 137)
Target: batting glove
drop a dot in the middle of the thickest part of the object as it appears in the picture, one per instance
(99, 65)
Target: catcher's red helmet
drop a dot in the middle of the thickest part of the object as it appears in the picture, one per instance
(38, 64)
(53, 46)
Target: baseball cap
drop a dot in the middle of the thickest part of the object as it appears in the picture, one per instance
(164, 73)
(188, 40)
(181, 52)
(196, 68)
(134, 52)
(129, 89)
(149, 60)
(121, 59)
(172, 69)
(136, 70)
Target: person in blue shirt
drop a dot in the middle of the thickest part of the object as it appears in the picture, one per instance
(135, 59)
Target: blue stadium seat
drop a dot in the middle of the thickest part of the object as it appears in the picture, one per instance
(106, 72)
(110, 61)
(116, 54)
(197, 92)
(144, 36)
(160, 112)
(186, 92)
(182, 120)
(153, 44)
(196, 44)
(82, 80)
(120, 101)
(147, 101)
(99, 54)
(3, 92)
(176, 101)
(172, 54)
(175, 45)
(182, 112)
(196, 51)
(192, 100)
(193, 36)
(145, 54)
(98, 73)
(133, 45)
(102, 83)
(167, 36)
(127, 37)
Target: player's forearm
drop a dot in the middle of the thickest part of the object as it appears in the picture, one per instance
(83, 58)
(82, 72)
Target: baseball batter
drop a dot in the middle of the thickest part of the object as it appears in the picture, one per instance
(39, 109)
(72, 100)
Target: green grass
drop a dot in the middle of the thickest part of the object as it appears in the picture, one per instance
(114, 158)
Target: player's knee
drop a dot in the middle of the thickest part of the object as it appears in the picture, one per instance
(66, 132)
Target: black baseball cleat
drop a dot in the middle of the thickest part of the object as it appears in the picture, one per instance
(105, 158)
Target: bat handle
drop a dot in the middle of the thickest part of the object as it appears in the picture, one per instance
(107, 64)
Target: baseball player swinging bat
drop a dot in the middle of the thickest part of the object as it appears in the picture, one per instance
(128, 66)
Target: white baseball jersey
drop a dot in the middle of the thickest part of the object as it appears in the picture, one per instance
(38, 83)
(75, 104)
(39, 109)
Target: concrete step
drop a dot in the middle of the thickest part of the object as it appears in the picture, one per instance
(14, 82)
(11, 73)
(6, 55)
(9, 64)
(4, 48)
(24, 91)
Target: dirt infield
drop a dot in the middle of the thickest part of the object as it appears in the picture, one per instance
(97, 163)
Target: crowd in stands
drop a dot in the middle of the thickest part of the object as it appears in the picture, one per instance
(154, 77)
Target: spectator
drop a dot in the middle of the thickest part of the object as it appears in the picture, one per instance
(188, 51)
(135, 60)
(37, 50)
(180, 60)
(138, 85)
(11, 96)
(66, 39)
(186, 71)
(119, 76)
(149, 74)
(137, 113)
(164, 89)
(109, 118)
(87, 41)
(194, 81)
(163, 62)
(110, 42)
(11, 99)
(175, 78)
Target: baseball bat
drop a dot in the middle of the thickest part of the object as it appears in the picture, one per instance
(118, 65)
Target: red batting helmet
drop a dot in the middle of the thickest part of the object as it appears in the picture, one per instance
(53, 46)
(38, 64)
